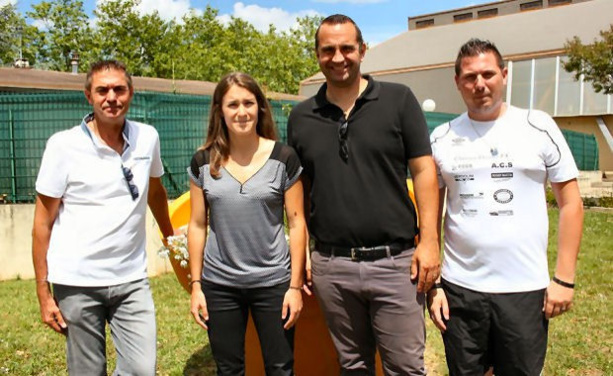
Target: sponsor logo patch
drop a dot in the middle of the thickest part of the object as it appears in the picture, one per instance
(502, 175)
(502, 165)
(503, 196)
(501, 213)
(470, 212)
(472, 196)
(465, 177)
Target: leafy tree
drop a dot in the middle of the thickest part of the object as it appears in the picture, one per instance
(137, 40)
(199, 47)
(204, 47)
(593, 61)
(15, 36)
(66, 31)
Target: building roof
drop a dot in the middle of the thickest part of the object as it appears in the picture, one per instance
(483, 10)
(15, 79)
(521, 35)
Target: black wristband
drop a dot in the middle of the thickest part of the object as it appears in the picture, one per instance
(562, 283)
(194, 281)
(436, 285)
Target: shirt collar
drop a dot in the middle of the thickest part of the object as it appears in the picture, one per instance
(370, 93)
(125, 131)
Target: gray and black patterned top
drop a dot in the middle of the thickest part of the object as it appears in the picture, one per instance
(246, 245)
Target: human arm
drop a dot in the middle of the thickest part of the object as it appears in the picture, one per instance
(558, 299)
(196, 239)
(45, 211)
(425, 266)
(306, 187)
(158, 203)
(437, 300)
(294, 208)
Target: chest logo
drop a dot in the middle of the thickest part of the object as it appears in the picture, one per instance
(502, 165)
(503, 196)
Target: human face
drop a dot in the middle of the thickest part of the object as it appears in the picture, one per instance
(339, 54)
(481, 83)
(110, 96)
(240, 111)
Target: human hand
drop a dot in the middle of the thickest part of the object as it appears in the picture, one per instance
(426, 265)
(558, 300)
(49, 310)
(438, 308)
(198, 307)
(308, 282)
(292, 304)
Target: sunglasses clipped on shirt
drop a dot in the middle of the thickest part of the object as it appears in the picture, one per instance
(127, 174)
(343, 150)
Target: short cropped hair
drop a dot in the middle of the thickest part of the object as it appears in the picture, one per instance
(101, 65)
(474, 47)
(339, 19)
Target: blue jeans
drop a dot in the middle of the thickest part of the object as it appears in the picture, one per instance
(228, 314)
(129, 310)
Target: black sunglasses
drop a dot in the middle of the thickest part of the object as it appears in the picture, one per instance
(127, 173)
(343, 150)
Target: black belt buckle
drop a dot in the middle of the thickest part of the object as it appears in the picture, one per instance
(370, 253)
(359, 253)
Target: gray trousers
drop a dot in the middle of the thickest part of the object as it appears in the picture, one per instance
(128, 308)
(370, 305)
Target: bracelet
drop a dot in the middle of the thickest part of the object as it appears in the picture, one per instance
(195, 281)
(42, 281)
(436, 285)
(295, 288)
(562, 283)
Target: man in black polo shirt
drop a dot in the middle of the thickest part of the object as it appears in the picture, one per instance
(355, 139)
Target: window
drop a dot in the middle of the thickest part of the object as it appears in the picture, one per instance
(521, 83)
(544, 84)
(531, 5)
(569, 94)
(424, 23)
(487, 13)
(462, 17)
(553, 3)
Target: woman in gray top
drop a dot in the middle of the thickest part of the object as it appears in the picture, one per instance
(241, 181)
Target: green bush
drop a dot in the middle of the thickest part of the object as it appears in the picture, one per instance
(588, 202)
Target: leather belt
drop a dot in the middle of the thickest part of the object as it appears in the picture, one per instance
(364, 253)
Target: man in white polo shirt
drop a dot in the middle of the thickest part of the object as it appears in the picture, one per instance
(94, 185)
(494, 160)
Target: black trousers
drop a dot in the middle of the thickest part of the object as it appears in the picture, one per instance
(507, 331)
(228, 315)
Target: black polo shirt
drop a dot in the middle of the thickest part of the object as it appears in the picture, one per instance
(363, 201)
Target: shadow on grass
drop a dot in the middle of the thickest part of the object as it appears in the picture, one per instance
(201, 363)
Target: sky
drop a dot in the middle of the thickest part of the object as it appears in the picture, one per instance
(379, 20)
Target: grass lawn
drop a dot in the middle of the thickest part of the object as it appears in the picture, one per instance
(580, 343)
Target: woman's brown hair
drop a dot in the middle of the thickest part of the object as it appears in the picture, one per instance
(217, 140)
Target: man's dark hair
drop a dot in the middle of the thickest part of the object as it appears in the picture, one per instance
(101, 65)
(474, 47)
(339, 19)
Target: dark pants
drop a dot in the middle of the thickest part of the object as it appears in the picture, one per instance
(228, 315)
(507, 331)
(370, 305)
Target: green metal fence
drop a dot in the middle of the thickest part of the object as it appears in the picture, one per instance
(584, 148)
(27, 120)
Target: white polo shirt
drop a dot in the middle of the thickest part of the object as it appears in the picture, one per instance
(496, 224)
(98, 238)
